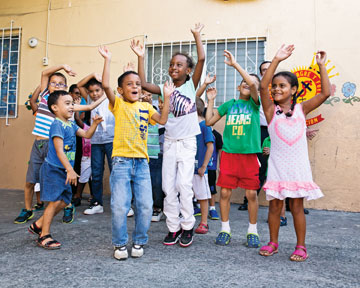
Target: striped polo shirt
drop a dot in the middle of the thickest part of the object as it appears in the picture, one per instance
(44, 117)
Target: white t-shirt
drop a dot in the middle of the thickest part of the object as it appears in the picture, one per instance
(183, 121)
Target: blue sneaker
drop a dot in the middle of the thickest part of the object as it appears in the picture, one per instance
(69, 214)
(253, 240)
(223, 238)
(283, 221)
(213, 215)
(197, 211)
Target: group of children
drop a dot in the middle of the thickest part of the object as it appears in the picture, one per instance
(188, 148)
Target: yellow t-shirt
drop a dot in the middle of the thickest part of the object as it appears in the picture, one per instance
(131, 128)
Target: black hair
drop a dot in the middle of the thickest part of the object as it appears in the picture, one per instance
(189, 61)
(264, 62)
(59, 75)
(72, 88)
(122, 77)
(293, 81)
(200, 106)
(54, 96)
(256, 76)
(92, 82)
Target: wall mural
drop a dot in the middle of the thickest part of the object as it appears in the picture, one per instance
(310, 85)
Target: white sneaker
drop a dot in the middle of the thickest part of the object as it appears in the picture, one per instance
(94, 209)
(156, 216)
(121, 253)
(137, 251)
(130, 213)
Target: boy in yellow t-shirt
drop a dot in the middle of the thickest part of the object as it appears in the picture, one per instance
(130, 172)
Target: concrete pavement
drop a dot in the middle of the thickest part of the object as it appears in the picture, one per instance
(85, 259)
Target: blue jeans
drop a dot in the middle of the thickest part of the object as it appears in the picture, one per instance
(98, 152)
(156, 183)
(130, 174)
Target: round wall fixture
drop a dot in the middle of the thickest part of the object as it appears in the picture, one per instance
(33, 42)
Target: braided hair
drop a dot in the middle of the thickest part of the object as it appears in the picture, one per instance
(293, 81)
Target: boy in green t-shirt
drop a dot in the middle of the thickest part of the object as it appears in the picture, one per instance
(239, 165)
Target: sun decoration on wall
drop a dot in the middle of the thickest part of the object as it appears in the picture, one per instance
(310, 84)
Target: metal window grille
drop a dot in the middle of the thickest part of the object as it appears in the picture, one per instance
(9, 71)
(249, 53)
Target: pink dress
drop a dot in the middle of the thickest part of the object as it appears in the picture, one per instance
(289, 172)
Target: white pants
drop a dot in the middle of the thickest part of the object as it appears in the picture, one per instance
(177, 176)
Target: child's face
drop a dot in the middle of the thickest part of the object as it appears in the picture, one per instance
(56, 83)
(146, 96)
(95, 92)
(281, 90)
(178, 69)
(131, 88)
(161, 104)
(75, 94)
(64, 107)
(244, 88)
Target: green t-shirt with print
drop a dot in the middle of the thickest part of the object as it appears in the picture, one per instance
(242, 126)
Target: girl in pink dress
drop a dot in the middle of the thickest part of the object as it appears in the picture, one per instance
(289, 171)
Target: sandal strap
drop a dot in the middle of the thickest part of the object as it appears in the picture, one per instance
(48, 244)
(35, 227)
(299, 247)
(273, 244)
(41, 239)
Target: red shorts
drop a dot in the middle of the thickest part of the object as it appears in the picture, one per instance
(239, 170)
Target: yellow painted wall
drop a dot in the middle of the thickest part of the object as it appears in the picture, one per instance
(309, 24)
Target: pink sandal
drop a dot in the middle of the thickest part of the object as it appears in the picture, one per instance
(301, 252)
(269, 249)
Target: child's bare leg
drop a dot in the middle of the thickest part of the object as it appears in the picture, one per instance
(225, 195)
(283, 210)
(79, 190)
(38, 197)
(253, 205)
(297, 210)
(275, 208)
(28, 194)
(204, 207)
(55, 208)
(212, 200)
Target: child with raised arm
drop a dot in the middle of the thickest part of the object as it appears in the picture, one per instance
(239, 166)
(180, 139)
(289, 172)
(102, 142)
(130, 174)
(51, 80)
(57, 171)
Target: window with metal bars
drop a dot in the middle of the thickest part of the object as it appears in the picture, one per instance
(249, 53)
(9, 71)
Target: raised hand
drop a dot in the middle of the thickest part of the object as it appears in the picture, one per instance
(284, 52)
(208, 79)
(98, 77)
(169, 88)
(98, 119)
(69, 70)
(321, 57)
(211, 93)
(197, 29)
(230, 59)
(105, 52)
(129, 67)
(138, 49)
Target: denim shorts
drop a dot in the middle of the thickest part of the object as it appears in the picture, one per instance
(37, 157)
(52, 184)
